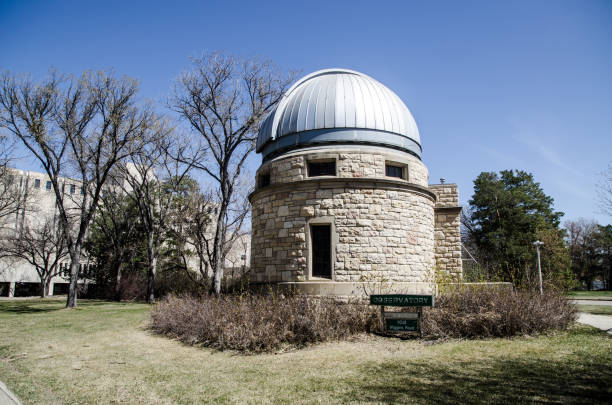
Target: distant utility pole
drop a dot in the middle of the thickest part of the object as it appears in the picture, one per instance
(537, 244)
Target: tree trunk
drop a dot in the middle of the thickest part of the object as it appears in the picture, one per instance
(75, 258)
(151, 281)
(215, 286)
(152, 253)
(217, 279)
(44, 287)
(217, 265)
(117, 292)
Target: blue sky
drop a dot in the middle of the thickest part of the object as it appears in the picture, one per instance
(493, 85)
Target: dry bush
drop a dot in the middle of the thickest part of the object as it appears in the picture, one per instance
(497, 312)
(266, 322)
(259, 323)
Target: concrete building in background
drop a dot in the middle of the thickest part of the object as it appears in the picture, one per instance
(20, 277)
(342, 200)
(40, 206)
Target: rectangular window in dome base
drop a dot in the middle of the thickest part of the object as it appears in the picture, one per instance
(396, 170)
(264, 180)
(327, 168)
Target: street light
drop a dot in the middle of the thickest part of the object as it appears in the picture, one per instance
(537, 244)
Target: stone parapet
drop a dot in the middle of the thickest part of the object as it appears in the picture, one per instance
(448, 194)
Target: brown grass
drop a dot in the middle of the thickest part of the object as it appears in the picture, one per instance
(102, 353)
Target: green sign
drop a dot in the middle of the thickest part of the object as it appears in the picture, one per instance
(402, 325)
(402, 300)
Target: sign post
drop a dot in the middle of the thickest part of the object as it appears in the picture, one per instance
(402, 321)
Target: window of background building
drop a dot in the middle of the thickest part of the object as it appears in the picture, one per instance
(82, 191)
(48, 186)
(37, 183)
(322, 168)
(72, 188)
(394, 171)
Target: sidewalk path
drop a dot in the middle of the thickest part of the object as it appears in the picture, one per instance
(7, 397)
(592, 302)
(603, 322)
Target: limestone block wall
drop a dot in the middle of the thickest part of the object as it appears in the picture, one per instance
(447, 228)
(379, 231)
(382, 227)
(350, 163)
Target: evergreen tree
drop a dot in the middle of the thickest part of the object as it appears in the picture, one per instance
(509, 211)
(116, 246)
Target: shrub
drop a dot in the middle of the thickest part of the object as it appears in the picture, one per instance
(266, 322)
(472, 312)
(259, 323)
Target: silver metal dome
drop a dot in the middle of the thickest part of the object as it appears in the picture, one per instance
(338, 106)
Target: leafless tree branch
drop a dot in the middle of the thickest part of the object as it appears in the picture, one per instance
(224, 100)
(76, 128)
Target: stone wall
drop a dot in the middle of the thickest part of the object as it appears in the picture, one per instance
(382, 228)
(447, 229)
(350, 163)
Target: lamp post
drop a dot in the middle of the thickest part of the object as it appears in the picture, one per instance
(537, 244)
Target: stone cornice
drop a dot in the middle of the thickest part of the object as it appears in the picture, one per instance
(448, 210)
(346, 182)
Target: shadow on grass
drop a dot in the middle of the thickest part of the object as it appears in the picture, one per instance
(43, 305)
(30, 307)
(584, 379)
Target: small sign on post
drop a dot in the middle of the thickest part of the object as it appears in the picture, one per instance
(405, 321)
(402, 325)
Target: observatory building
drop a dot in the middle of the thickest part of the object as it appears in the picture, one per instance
(342, 198)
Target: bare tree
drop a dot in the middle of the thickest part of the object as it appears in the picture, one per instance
(224, 101)
(604, 191)
(78, 129)
(152, 179)
(42, 246)
(582, 248)
(578, 232)
(191, 231)
(13, 199)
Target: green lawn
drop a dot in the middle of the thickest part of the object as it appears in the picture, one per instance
(585, 295)
(102, 353)
(596, 309)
